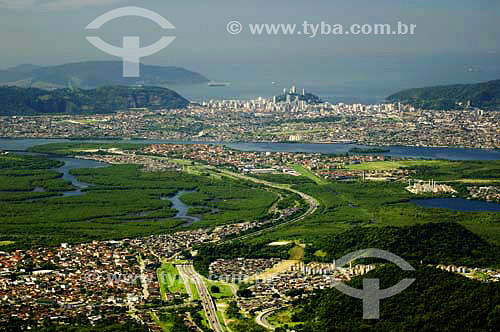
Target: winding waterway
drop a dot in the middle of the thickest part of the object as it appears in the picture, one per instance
(69, 164)
(75, 163)
(182, 209)
(400, 151)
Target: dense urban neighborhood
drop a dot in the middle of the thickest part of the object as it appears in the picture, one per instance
(265, 120)
(123, 280)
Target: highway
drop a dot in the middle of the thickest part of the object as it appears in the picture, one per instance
(187, 271)
(261, 319)
(206, 299)
(185, 280)
(311, 201)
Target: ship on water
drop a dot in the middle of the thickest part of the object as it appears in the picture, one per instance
(218, 84)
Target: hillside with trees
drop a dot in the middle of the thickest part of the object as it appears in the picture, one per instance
(436, 243)
(31, 101)
(436, 301)
(451, 97)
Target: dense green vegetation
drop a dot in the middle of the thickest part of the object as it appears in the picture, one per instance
(283, 178)
(247, 325)
(436, 243)
(436, 301)
(172, 320)
(483, 95)
(123, 201)
(455, 170)
(15, 183)
(345, 205)
(74, 149)
(231, 201)
(108, 99)
(18, 162)
(91, 74)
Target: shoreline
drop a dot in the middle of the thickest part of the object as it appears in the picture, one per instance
(217, 142)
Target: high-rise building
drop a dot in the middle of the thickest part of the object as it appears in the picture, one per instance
(293, 90)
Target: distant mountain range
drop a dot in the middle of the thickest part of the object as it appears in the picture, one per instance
(448, 97)
(92, 74)
(108, 99)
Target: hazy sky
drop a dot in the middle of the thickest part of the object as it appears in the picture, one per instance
(52, 32)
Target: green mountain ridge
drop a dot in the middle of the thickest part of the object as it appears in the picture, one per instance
(450, 97)
(436, 301)
(32, 101)
(92, 74)
(436, 243)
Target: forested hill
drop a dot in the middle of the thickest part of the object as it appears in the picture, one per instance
(31, 101)
(436, 243)
(482, 95)
(436, 301)
(92, 74)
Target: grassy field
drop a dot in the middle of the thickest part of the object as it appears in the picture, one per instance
(80, 148)
(297, 252)
(390, 165)
(310, 175)
(441, 170)
(170, 280)
(224, 289)
(281, 318)
(204, 320)
(194, 291)
(478, 181)
(345, 205)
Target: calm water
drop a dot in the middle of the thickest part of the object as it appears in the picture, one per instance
(69, 164)
(398, 151)
(182, 209)
(72, 163)
(356, 78)
(457, 204)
